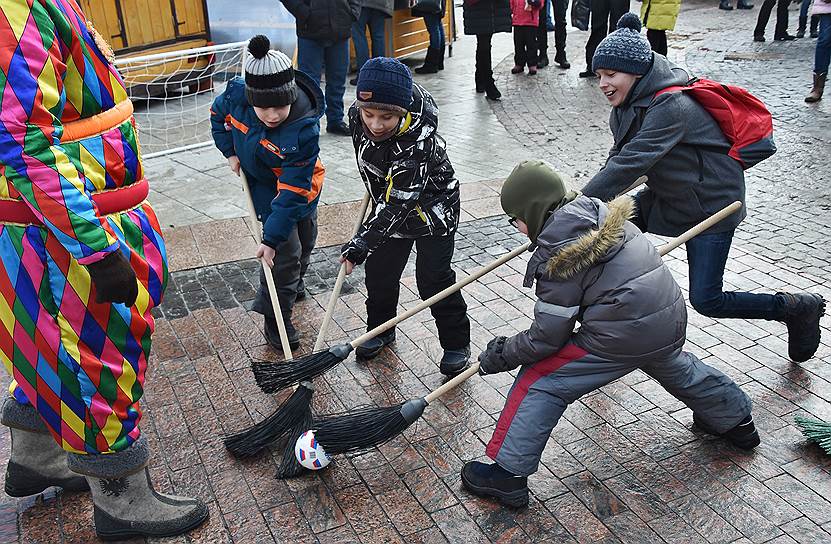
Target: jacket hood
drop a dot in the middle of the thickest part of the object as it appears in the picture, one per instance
(661, 75)
(422, 118)
(580, 235)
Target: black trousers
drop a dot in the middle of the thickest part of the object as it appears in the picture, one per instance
(525, 45)
(559, 11)
(781, 17)
(384, 267)
(604, 17)
(484, 70)
(657, 40)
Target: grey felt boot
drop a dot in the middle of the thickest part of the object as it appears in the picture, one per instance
(37, 462)
(126, 505)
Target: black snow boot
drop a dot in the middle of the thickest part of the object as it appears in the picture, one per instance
(272, 333)
(743, 435)
(744, 4)
(372, 347)
(36, 462)
(802, 314)
(491, 91)
(496, 482)
(431, 62)
(725, 5)
(454, 361)
(561, 59)
(803, 24)
(126, 505)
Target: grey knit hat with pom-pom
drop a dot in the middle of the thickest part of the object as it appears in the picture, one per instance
(624, 50)
(269, 76)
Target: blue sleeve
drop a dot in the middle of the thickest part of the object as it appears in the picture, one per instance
(298, 187)
(220, 131)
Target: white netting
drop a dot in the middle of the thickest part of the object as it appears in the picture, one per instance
(172, 94)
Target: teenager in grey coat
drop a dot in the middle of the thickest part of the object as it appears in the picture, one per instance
(671, 139)
(592, 266)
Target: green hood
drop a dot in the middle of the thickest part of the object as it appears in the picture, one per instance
(532, 191)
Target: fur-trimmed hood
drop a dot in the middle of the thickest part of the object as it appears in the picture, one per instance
(578, 236)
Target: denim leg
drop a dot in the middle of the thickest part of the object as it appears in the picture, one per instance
(359, 38)
(823, 51)
(377, 24)
(310, 58)
(337, 65)
(803, 10)
(707, 256)
(436, 30)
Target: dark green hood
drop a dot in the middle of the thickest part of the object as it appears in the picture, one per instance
(532, 191)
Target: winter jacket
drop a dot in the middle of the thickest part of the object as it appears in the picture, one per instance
(412, 184)
(660, 14)
(487, 17)
(325, 20)
(673, 141)
(284, 172)
(521, 17)
(387, 7)
(594, 267)
(820, 7)
(419, 12)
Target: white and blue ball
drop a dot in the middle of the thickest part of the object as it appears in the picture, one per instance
(310, 453)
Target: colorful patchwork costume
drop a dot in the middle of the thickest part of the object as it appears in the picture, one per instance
(72, 191)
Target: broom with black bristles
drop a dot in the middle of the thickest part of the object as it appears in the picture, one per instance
(369, 427)
(272, 377)
(816, 431)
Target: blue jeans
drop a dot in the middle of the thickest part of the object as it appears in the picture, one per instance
(822, 57)
(376, 20)
(549, 22)
(707, 255)
(436, 30)
(312, 55)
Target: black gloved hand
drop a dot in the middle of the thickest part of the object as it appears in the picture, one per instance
(355, 250)
(114, 279)
(491, 361)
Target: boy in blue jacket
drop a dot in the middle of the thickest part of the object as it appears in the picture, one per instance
(268, 125)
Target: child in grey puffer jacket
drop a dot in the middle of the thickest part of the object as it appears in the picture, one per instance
(592, 266)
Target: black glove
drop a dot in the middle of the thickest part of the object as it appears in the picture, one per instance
(491, 361)
(355, 250)
(114, 279)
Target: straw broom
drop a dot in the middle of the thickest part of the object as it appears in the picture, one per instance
(368, 427)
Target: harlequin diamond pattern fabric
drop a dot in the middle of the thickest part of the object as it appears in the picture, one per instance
(81, 364)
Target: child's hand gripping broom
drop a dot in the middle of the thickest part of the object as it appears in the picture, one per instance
(368, 427)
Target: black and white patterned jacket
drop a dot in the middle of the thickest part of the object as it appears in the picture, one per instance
(411, 182)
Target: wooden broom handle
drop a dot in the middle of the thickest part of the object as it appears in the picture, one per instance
(333, 299)
(269, 279)
(440, 295)
(663, 250)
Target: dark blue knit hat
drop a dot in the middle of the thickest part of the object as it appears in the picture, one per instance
(385, 84)
(624, 50)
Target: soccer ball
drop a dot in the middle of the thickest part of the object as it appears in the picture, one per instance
(310, 453)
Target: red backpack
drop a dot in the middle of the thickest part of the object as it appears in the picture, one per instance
(744, 119)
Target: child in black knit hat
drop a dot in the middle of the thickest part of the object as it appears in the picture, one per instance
(268, 125)
(415, 200)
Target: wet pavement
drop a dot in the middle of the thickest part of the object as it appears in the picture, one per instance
(623, 465)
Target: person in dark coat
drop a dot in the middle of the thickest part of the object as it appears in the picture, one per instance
(483, 19)
(415, 201)
(604, 16)
(323, 30)
(673, 141)
(434, 61)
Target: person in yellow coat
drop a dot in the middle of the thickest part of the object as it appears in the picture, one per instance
(658, 16)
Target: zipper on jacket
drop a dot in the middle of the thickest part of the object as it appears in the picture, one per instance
(700, 165)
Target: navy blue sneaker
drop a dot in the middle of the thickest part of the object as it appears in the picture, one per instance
(743, 435)
(372, 347)
(496, 482)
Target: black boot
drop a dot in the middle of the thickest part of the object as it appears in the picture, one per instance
(743, 435)
(480, 83)
(431, 62)
(272, 333)
(744, 4)
(543, 61)
(814, 26)
(802, 314)
(494, 481)
(784, 37)
(454, 361)
(372, 347)
(561, 59)
(803, 23)
(725, 5)
(440, 58)
(491, 92)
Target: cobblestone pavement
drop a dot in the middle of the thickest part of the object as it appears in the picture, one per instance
(624, 464)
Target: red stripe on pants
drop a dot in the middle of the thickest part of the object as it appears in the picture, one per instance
(538, 370)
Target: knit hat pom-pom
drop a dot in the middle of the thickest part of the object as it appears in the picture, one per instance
(630, 21)
(259, 46)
